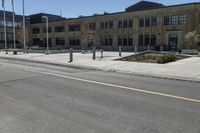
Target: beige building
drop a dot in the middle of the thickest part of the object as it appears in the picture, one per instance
(143, 26)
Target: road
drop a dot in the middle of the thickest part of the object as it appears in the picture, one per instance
(41, 98)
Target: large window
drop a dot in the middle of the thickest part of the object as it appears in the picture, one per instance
(153, 21)
(182, 19)
(166, 20)
(106, 25)
(153, 40)
(92, 26)
(125, 41)
(141, 22)
(60, 41)
(35, 30)
(130, 23)
(174, 19)
(147, 22)
(74, 28)
(146, 40)
(74, 41)
(106, 41)
(45, 30)
(120, 24)
(60, 29)
(141, 40)
(125, 23)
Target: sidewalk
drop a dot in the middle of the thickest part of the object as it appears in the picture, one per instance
(187, 69)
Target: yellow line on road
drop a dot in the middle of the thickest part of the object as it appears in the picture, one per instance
(119, 86)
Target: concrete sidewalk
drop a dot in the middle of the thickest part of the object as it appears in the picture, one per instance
(187, 69)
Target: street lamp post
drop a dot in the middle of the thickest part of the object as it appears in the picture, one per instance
(24, 27)
(47, 31)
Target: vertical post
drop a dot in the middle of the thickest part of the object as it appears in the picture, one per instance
(101, 53)
(14, 36)
(47, 30)
(24, 27)
(120, 51)
(71, 55)
(94, 53)
(5, 30)
(135, 48)
(161, 48)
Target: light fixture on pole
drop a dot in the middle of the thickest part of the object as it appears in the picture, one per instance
(47, 31)
(5, 30)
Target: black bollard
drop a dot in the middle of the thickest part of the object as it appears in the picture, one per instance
(71, 55)
(120, 51)
(94, 53)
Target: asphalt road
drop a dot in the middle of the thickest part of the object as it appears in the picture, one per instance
(41, 98)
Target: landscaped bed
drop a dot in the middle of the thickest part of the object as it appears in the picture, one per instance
(153, 57)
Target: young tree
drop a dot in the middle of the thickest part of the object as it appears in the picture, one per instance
(192, 39)
(20, 36)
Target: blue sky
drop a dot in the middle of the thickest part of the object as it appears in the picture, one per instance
(73, 8)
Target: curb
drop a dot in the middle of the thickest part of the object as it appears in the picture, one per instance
(107, 70)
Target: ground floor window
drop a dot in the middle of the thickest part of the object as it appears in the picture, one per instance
(147, 39)
(106, 41)
(60, 41)
(125, 41)
(74, 41)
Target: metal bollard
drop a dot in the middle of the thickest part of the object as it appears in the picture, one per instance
(120, 51)
(161, 48)
(101, 53)
(71, 55)
(94, 53)
(135, 49)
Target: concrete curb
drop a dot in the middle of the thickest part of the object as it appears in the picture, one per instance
(107, 70)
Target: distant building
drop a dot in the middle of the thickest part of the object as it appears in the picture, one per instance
(147, 25)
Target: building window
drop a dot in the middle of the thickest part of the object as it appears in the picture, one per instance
(74, 28)
(36, 41)
(106, 25)
(45, 30)
(60, 41)
(141, 22)
(130, 23)
(147, 22)
(166, 20)
(106, 41)
(130, 41)
(60, 29)
(120, 24)
(182, 19)
(92, 26)
(153, 40)
(153, 21)
(45, 42)
(125, 42)
(141, 40)
(110, 24)
(35, 30)
(146, 40)
(102, 25)
(174, 19)
(125, 24)
(74, 41)
(120, 41)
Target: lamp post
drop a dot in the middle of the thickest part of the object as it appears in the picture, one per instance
(24, 27)
(47, 31)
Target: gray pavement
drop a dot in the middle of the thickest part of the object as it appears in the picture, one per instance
(187, 69)
(34, 102)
